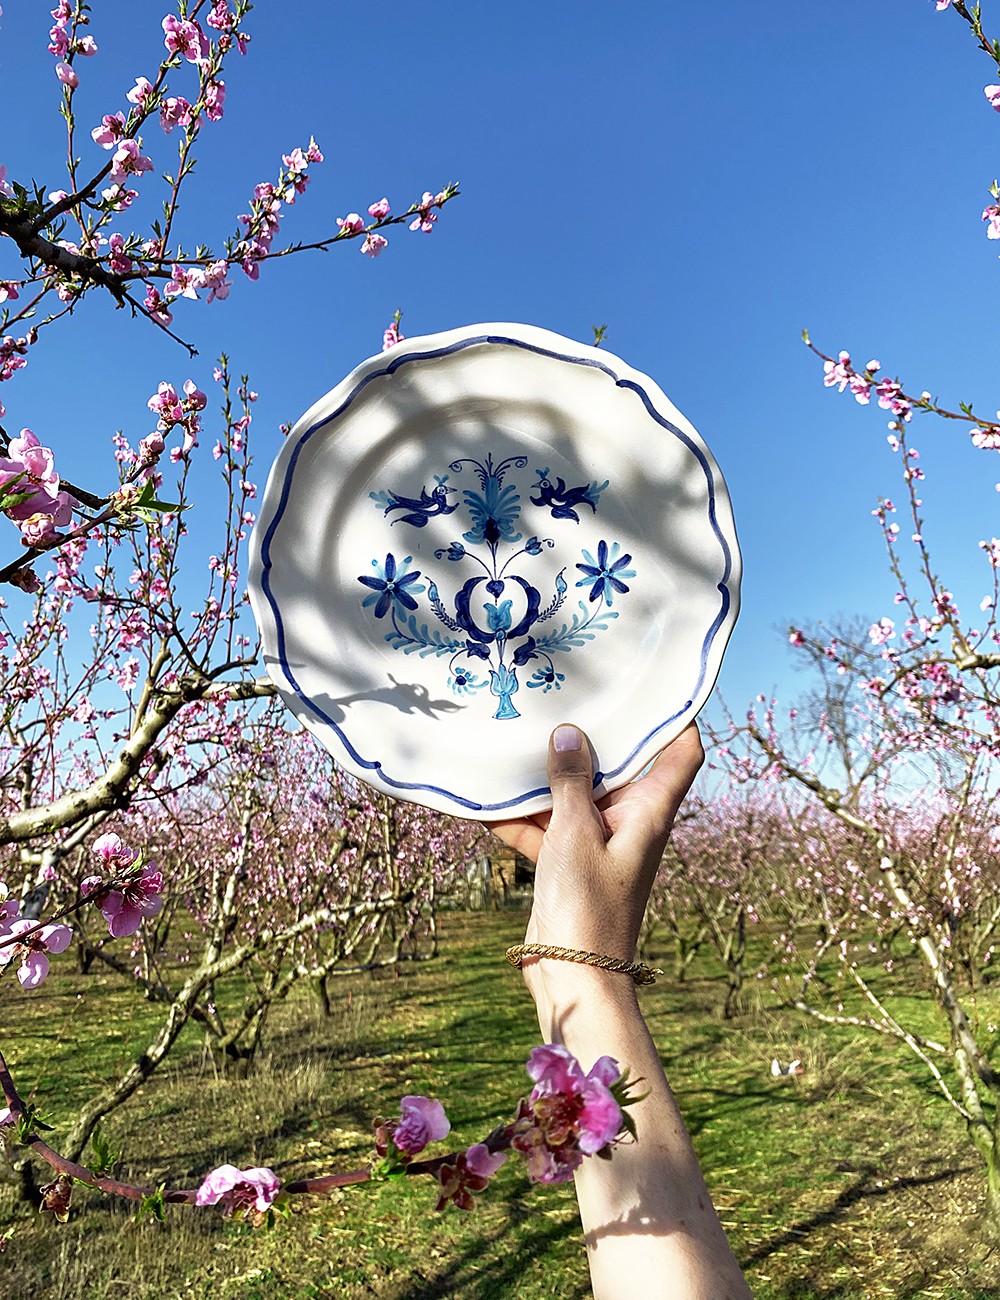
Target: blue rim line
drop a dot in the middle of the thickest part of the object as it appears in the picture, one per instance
(389, 369)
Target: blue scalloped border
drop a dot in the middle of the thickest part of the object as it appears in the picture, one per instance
(390, 368)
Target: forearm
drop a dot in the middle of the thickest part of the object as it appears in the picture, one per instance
(650, 1226)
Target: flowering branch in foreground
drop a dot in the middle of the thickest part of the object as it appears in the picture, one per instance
(841, 373)
(567, 1115)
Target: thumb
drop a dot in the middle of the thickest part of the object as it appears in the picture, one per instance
(571, 779)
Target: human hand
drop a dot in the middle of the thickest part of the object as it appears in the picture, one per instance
(596, 862)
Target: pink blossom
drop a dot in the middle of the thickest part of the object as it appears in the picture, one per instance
(988, 438)
(166, 404)
(391, 336)
(86, 46)
(296, 161)
(35, 942)
(247, 1191)
(220, 18)
(128, 675)
(124, 908)
(111, 130)
(8, 290)
(992, 93)
(796, 638)
(128, 160)
(196, 399)
(374, 243)
(115, 855)
(942, 4)
(37, 529)
(422, 1120)
(10, 910)
(174, 111)
(184, 37)
(156, 307)
(425, 218)
(58, 42)
(482, 1162)
(182, 282)
(568, 1115)
(215, 94)
(890, 398)
(313, 152)
(119, 197)
(351, 224)
(882, 631)
(140, 92)
(34, 463)
(838, 372)
(65, 73)
(26, 580)
(6, 189)
(380, 210)
(557, 1072)
(118, 262)
(151, 447)
(992, 215)
(468, 1172)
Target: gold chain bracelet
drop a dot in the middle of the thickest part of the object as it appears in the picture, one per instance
(640, 972)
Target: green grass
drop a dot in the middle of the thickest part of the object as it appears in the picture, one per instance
(851, 1182)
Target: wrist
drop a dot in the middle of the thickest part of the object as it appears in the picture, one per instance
(572, 999)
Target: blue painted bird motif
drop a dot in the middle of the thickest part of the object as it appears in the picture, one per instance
(427, 506)
(560, 499)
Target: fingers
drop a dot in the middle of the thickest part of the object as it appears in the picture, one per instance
(571, 779)
(654, 798)
(521, 834)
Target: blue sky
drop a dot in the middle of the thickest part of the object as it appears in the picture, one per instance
(704, 180)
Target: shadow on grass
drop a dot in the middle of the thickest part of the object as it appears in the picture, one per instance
(863, 1189)
(474, 1276)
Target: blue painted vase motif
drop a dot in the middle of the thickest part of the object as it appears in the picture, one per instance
(496, 620)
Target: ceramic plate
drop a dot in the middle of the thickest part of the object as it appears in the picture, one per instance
(478, 535)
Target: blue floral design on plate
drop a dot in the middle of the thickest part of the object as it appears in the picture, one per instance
(392, 585)
(605, 574)
(496, 617)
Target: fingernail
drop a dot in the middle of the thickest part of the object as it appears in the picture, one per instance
(565, 739)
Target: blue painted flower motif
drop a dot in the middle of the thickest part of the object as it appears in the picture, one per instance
(494, 622)
(462, 682)
(546, 678)
(605, 574)
(391, 584)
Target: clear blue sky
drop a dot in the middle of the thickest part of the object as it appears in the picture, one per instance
(705, 180)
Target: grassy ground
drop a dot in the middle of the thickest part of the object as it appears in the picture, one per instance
(850, 1182)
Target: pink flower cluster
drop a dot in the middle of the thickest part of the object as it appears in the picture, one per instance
(264, 218)
(185, 37)
(421, 1120)
(249, 1192)
(65, 46)
(426, 216)
(840, 374)
(134, 898)
(28, 469)
(392, 335)
(172, 410)
(568, 1114)
(29, 942)
(127, 158)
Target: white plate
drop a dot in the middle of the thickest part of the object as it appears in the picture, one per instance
(481, 534)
